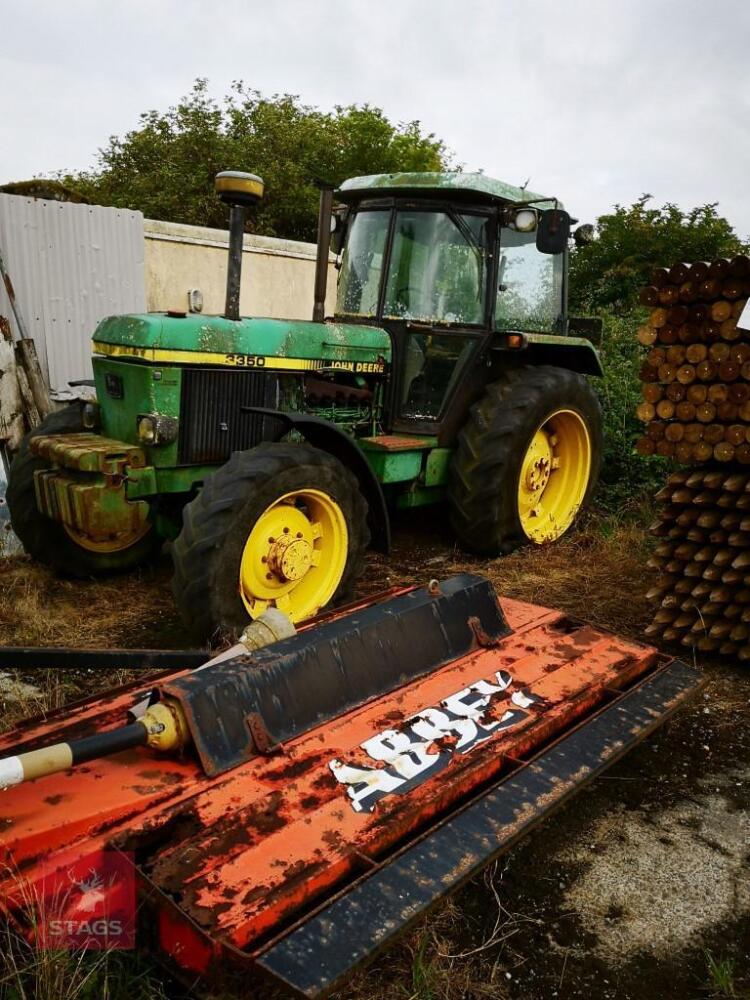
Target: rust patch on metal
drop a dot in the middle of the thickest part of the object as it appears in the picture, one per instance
(291, 769)
(162, 777)
(325, 780)
(223, 840)
(483, 640)
(392, 716)
(395, 442)
(267, 819)
(333, 839)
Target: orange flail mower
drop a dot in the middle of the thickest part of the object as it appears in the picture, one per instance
(323, 792)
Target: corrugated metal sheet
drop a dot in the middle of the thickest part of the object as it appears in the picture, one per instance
(71, 266)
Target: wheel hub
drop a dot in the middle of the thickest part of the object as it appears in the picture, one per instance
(538, 464)
(290, 557)
(295, 555)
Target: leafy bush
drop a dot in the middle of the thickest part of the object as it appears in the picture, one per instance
(165, 166)
(627, 478)
(608, 273)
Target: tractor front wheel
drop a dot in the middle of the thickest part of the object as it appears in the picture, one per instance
(282, 525)
(527, 460)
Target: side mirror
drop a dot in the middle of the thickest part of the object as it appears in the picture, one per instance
(584, 234)
(553, 231)
(338, 228)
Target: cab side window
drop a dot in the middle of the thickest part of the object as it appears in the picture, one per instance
(529, 295)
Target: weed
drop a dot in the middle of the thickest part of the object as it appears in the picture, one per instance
(721, 973)
(422, 974)
(627, 478)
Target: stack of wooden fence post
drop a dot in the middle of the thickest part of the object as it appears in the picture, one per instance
(696, 369)
(696, 407)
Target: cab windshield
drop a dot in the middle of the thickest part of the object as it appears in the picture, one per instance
(437, 271)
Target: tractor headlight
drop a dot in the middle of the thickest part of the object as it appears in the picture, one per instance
(147, 430)
(525, 220)
(155, 429)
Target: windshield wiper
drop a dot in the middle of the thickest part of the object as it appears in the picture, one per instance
(474, 245)
(466, 232)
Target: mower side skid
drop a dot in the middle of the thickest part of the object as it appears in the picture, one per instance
(321, 951)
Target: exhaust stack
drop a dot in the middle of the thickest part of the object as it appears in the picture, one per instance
(240, 191)
(324, 243)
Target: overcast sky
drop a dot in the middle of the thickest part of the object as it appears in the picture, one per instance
(596, 101)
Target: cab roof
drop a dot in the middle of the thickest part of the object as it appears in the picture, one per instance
(487, 188)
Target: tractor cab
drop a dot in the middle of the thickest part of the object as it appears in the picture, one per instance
(450, 265)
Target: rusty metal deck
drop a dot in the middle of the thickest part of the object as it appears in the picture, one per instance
(236, 866)
(321, 952)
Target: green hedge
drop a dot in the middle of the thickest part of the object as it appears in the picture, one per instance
(628, 480)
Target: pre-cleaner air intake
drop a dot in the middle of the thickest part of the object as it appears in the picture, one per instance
(240, 191)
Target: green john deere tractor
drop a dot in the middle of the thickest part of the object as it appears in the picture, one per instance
(270, 453)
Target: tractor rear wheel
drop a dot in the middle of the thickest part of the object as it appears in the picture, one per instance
(527, 460)
(51, 542)
(282, 525)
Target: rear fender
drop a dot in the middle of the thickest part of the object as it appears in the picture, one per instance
(574, 353)
(328, 437)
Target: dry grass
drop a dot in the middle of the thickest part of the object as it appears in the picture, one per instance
(592, 575)
(28, 973)
(451, 956)
(51, 690)
(39, 609)
(44, 974)
(596, 573)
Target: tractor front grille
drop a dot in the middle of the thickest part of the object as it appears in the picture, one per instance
(212, 425)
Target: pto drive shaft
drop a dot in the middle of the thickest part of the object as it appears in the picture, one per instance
(162, 726)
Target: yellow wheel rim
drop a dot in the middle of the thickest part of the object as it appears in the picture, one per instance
(295, 555)
(115, 543)
(554, 476)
